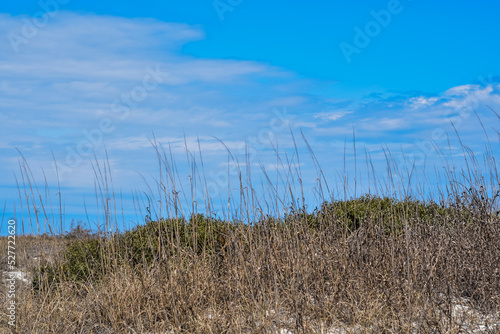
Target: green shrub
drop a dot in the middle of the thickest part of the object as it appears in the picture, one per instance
(168, 236)
(392, 213)
(87, 259)
(82, 261)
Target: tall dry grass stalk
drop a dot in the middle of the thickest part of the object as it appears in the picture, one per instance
(408, 263)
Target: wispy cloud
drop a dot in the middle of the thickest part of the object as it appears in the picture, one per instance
(332, 116)
(421, 102)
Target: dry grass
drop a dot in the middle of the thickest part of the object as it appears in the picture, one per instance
(402, 270)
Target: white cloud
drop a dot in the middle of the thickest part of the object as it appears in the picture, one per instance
(384, 124)
(332, 116)
(421, 102)
(471, 97)
(336, 131)
(461, 90)
(208, 145)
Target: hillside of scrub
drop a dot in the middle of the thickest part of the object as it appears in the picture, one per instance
(365, 265)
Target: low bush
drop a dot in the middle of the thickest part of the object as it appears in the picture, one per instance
(391, 213)
(87, 259)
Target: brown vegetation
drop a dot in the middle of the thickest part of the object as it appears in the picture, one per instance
(366, 265)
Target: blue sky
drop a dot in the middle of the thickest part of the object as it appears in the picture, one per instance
(79, 77)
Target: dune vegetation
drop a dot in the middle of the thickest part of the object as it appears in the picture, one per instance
(385, 262)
